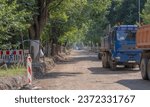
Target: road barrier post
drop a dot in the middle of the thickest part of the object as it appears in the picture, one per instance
(29, 69)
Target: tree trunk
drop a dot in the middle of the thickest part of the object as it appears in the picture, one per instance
(48, 49)
(39, 20)
(55, 36)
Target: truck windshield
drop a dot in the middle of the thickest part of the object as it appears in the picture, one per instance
(126, 35)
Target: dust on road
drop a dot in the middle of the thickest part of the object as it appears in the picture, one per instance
(84, 72)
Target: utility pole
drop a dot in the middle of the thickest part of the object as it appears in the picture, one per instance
(139, 11)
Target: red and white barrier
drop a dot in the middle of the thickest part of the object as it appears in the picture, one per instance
(1, 54)
(29, 69)
(12, 56)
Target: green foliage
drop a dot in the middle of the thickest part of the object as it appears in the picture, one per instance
(13, 71)
(15, 17)
(146, 13)
(77, 20)
(69, 21)
(124, 11)
(114, 9)
(97, 19)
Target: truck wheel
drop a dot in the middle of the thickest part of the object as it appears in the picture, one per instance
(107, 62)
(99, 56)
(103, 61)
(143, 68)
(112, 65)
(148, 69)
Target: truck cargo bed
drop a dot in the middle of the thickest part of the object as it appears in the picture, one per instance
(105, 44)
(143, 37)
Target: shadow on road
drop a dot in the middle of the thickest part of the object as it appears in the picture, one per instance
(100, 70)
(85, 58)
(135, 84)
(52, 75)
(74, 60)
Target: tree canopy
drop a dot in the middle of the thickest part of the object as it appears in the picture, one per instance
(64, 22)
(15, 18)
(125, 11)
(146, 13)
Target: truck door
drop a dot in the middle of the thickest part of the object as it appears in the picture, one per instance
(112, 40)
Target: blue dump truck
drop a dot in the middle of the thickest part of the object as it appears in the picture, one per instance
(119, 47)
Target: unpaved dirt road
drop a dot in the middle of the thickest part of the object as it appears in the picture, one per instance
(84, 72)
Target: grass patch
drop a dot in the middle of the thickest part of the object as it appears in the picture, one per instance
(13, 71)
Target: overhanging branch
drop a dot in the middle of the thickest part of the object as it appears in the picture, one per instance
(56, 4)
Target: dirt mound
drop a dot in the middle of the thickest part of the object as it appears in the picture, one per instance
(12, 83)
(40, 68)
(60, 58)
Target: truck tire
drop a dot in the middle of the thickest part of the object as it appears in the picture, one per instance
(99, 56)
(143, 68)
(105, 63)
(104, 60)
(112, 64)
(148, 69)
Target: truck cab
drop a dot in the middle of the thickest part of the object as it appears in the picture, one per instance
(119, 47)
